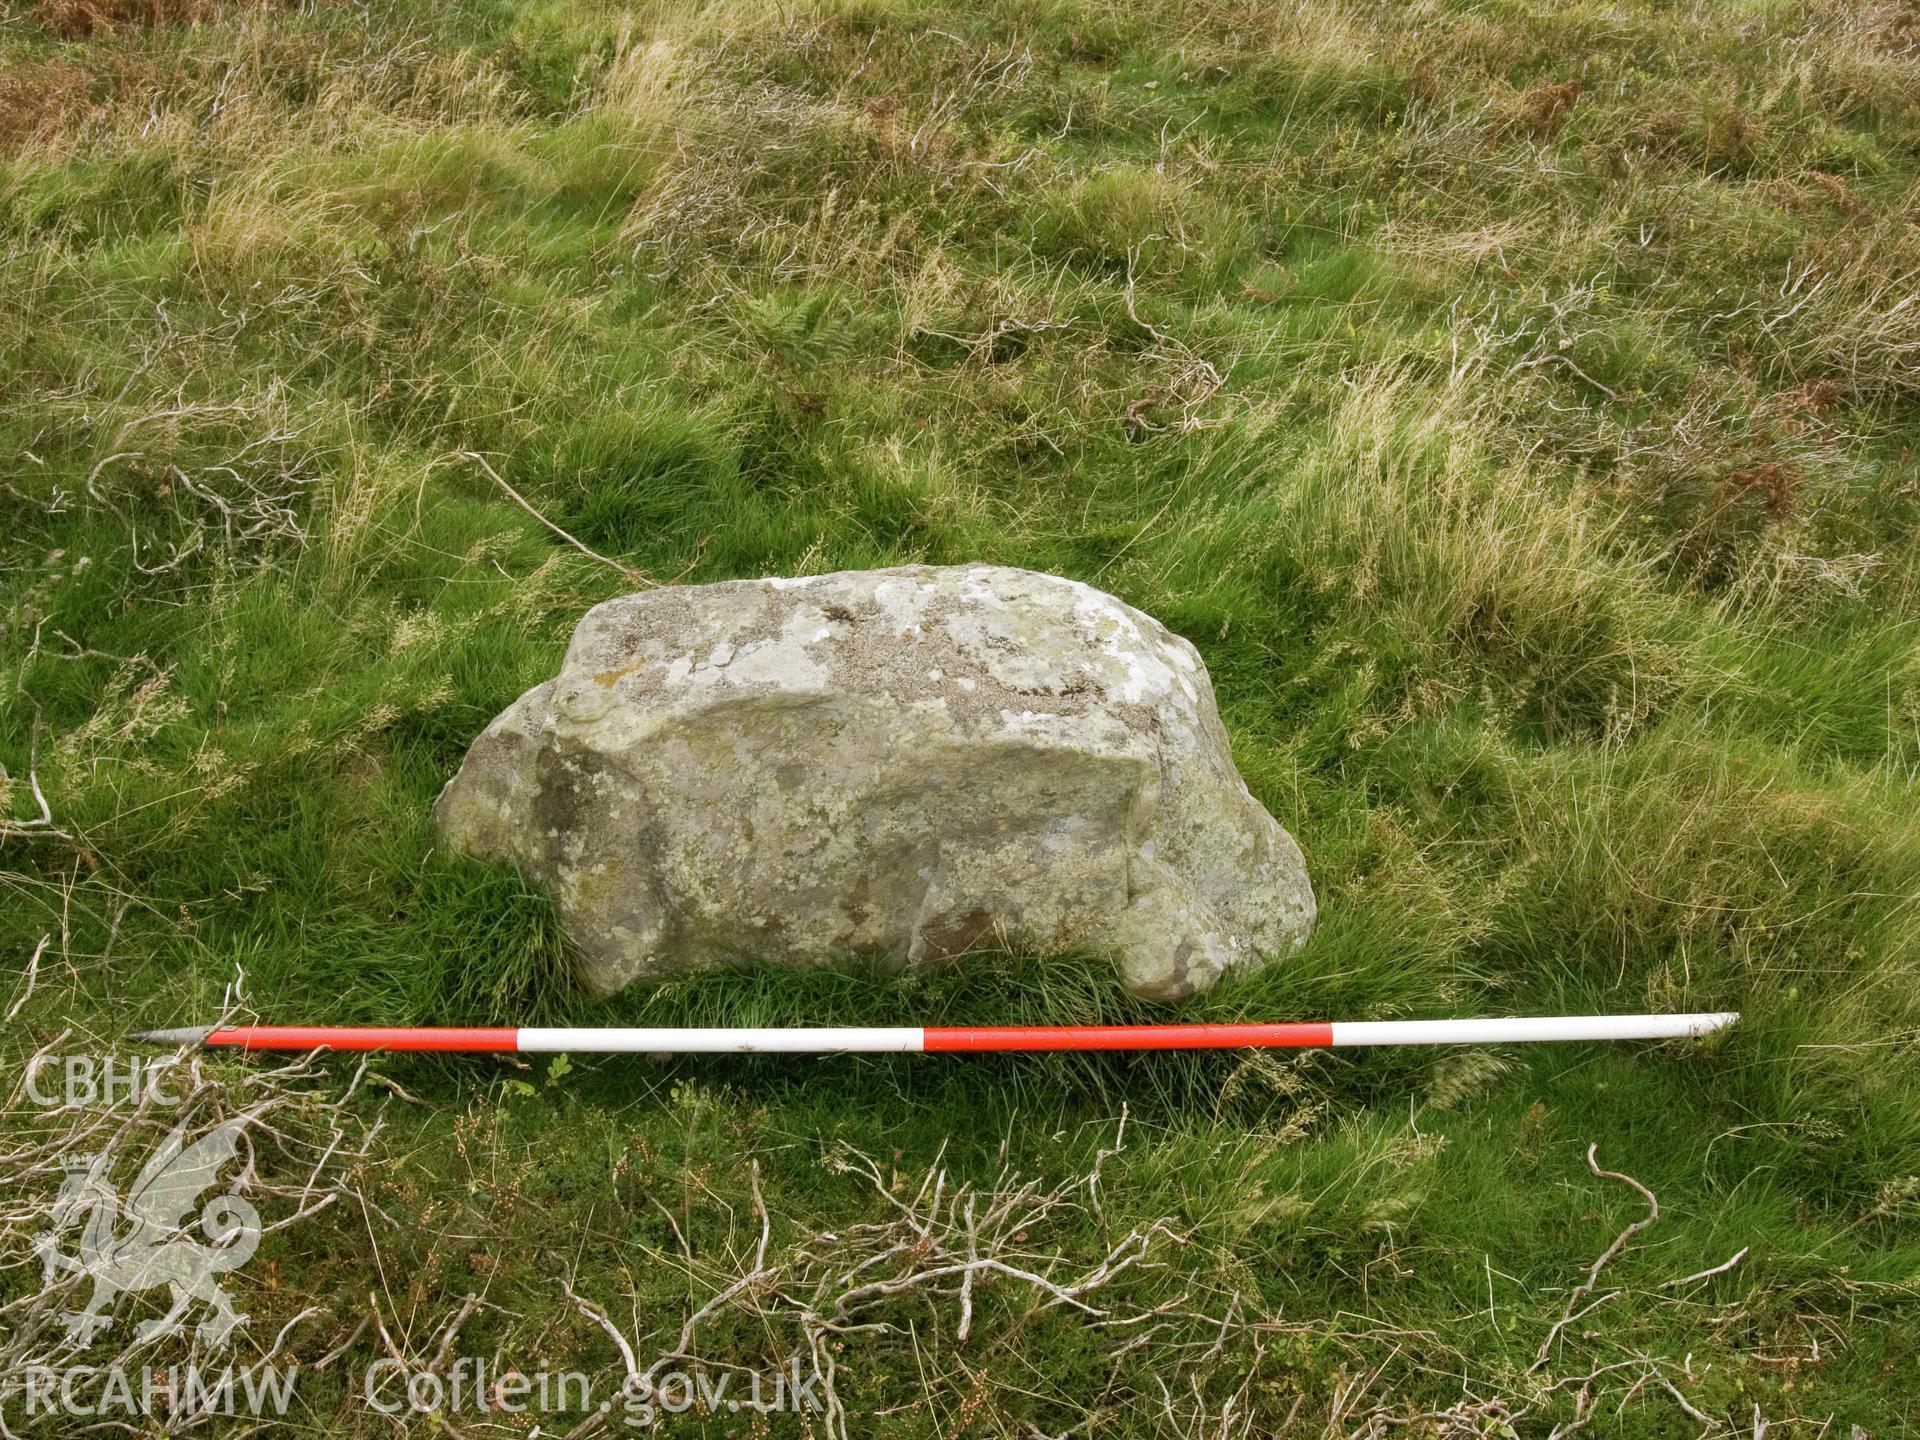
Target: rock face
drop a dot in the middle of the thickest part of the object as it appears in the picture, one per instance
(905, 763)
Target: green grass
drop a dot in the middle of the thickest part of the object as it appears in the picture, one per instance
(1535, 472)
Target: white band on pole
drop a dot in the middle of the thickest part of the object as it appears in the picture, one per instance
(1534, 1028)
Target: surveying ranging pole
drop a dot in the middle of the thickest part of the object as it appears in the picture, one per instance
(731, 1040)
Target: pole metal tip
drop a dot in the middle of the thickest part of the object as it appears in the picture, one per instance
(185, 1035)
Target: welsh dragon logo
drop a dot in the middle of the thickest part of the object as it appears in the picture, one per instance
(145, 1239)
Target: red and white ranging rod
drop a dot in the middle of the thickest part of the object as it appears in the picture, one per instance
(802, 1040)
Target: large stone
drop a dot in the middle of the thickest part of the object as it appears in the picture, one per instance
(906, 763)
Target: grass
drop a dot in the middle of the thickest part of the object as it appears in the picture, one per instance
(1516, 404)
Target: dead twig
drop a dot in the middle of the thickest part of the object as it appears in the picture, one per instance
(1722, 1268)
(954, 1266)
(33, 973)
(1585, 1287)
(633, 577)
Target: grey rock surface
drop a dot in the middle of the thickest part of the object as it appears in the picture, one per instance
(906, 763)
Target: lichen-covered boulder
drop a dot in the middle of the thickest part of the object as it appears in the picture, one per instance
(905, 763)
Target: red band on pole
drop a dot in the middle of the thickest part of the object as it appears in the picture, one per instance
(1128, 1037)
(310, 1037)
